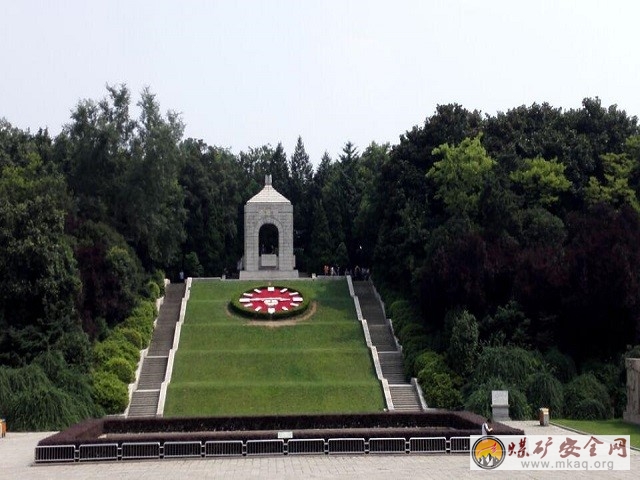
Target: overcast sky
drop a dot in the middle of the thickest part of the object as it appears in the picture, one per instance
(247, 73)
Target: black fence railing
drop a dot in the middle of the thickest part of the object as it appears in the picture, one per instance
(240, 448)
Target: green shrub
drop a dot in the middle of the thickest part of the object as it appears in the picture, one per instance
(440, 385)
(561, 365)
(192, 265)
(410, 330)
(440, 391)
(145, 309)
(65, 377)
(45, 408)
(116, 347)
(158, 277)
(152, 290)
(120, 368)
(590, 409)
(508, 325)
(52, 364)
(402, 312)
(613, 375)
(519, 408)
(130, 335)
(584, 387)
(412, 348)
(76, 350)
(431, 361)
(28, 378)
(6, 390)
(33, 401)
(463, 343)
(141, 319)
(479, 400)
(513, 365)
(125, 270)
(110, 392)
(544, 390)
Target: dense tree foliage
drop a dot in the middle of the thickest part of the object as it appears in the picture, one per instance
(512, 234)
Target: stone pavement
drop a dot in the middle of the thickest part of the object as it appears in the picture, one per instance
(17, 450)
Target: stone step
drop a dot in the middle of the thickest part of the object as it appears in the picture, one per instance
(146, 411)
(382, 338)
(144, 397)
(392, 367)
(405, 398)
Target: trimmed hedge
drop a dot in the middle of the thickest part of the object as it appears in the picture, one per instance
(440, 390)
(110, 392)
(240, 309)
(121, 368)
(116, 347)
(141, 319)
(305, 426)
(131, 335)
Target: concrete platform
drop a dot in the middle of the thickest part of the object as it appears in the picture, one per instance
(17, 450)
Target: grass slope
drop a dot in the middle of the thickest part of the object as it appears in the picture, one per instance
(226, 366)
(605, 427)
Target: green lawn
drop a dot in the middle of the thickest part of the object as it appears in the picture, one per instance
(604, 427)
(226, 366)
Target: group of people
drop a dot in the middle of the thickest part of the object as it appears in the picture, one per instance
(357, 273)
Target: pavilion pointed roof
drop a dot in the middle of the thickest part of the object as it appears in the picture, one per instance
(268, 194)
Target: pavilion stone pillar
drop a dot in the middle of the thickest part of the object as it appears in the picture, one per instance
(268, 207)
(632, 413)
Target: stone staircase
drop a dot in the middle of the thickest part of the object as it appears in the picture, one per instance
(405, 398)
(144, 401)
(403, 394)
(392, 367)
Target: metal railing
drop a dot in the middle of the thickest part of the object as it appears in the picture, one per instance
(55, 453)
(138, 450)
(240, 448)
(428, 445)
(98, 451)
(346, 445)
(182, 449)
(459, 445)
(265, 447)
(230, 448)
(306, 446)
(388, 445)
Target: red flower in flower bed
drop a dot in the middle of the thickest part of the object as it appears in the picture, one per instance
(270, 302)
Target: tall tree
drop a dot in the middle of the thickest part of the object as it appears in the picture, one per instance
(96, 154)
(542, 181)
(460, 176)
(212, 180)
(299, 189)
(39, 282)
(153, 216)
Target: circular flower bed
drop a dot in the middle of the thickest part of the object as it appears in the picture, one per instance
(270, 302)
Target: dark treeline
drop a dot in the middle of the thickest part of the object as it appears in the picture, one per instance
(524, 224)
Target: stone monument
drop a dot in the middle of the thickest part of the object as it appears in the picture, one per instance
(500, 405)
(268, 214)
(632, 414)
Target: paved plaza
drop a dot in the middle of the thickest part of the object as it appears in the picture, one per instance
(17, 450)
